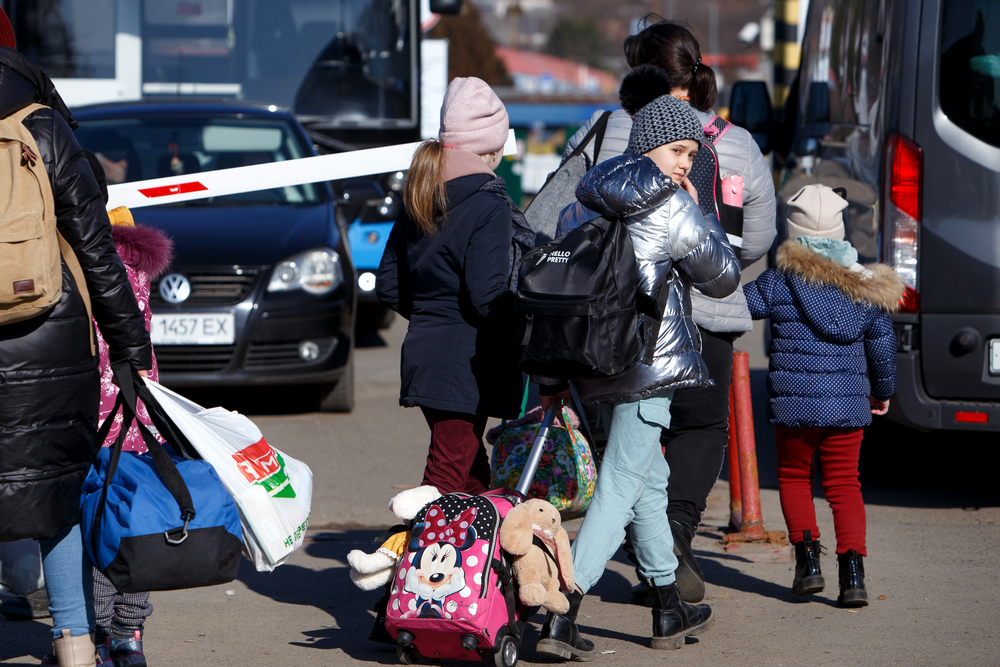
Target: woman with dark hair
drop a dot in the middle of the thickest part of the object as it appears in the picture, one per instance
(449, 267)
(696, 440)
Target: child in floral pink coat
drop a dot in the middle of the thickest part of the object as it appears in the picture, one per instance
(146, 253)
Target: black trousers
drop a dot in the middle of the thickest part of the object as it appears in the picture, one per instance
(699, 429)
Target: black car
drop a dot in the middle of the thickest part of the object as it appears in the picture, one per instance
(262, 287)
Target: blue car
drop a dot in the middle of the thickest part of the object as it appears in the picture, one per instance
(262, 287)
(371, 205)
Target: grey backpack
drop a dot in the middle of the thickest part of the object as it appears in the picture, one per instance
(559, 190)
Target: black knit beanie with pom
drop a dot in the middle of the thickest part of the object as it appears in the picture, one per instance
(658, 118)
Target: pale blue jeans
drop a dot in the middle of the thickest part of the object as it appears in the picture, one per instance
(68, 581)
(631, 488)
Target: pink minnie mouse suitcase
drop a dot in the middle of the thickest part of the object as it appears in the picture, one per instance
(453, 595)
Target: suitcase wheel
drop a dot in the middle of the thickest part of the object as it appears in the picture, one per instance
(407, 656)
(507, 652)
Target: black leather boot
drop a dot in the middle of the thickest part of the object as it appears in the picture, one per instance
(808, 576)
(560, 635)
(690, 580)
(674, 619)
(852, 580)
(378, 632)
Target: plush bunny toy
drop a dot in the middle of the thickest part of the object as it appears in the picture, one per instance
(541, 566)
(370, 571)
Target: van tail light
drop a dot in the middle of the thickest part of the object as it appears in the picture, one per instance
(901, 215)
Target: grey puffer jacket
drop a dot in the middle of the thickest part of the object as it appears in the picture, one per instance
(738, 154)
(677, 248)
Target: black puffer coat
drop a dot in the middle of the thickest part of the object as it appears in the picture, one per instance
(49, 384)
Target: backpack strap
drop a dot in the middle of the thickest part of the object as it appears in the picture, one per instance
(715, 128)
(73, 264)
(596, 132)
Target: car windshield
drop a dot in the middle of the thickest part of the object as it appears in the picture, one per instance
(970, 66)
(137, 149)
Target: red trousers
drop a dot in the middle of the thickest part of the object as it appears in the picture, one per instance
(839, 449)
(456, 460)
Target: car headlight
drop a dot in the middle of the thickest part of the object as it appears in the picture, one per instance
(389, 207)
(316, 271)
(396, 181)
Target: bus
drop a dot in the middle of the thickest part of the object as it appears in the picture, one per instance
(348, 69)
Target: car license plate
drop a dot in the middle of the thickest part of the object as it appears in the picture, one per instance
(995, 356)
(193, 329)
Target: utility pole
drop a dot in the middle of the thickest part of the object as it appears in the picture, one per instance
(786, 47)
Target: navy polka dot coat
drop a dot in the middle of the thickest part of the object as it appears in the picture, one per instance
(832, 343)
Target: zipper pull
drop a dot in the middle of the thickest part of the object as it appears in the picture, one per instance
(27, 154)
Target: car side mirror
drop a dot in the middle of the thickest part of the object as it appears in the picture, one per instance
(446, 6)
(750, 108)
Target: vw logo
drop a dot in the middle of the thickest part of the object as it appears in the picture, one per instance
(175, 288)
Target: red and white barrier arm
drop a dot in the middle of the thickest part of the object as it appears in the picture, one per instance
(201, 185)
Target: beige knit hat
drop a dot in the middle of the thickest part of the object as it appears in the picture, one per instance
(815, 210)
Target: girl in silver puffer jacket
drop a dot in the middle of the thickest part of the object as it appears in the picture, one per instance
(676, 247)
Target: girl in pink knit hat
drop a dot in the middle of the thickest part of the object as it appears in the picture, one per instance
(449, 268)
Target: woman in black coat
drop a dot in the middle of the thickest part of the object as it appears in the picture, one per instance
(447, 268)
(49, 382)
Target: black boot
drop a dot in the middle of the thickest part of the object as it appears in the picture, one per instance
(560, 635)
(674, 619)
(379, 633)
(808, 577)
(690, 580)
(852, 580)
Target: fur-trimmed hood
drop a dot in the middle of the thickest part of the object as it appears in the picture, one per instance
(883, 290)
(143, 248)
(834, 298)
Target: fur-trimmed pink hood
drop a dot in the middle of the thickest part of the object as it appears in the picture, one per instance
(143, 248)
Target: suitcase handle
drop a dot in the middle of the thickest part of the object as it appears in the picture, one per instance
(531, 465)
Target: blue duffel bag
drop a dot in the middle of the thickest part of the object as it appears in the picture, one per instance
(156, 521)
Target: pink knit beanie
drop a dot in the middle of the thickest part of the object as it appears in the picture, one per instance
(473, 118)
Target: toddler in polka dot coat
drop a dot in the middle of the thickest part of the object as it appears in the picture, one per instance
(833, 365)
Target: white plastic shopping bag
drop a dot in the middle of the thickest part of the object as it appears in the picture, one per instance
(21, 567)
(272, 490)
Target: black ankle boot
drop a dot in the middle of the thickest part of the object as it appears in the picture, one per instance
(852, 580)
(690, 580)
(808, 576)
(674, 619)
(378, 632)
(560, 635)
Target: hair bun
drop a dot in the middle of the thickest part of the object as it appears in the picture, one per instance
(643, 85)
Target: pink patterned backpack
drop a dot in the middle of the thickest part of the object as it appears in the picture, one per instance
(453, 594)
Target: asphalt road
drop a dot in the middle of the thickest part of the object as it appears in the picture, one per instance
(933, 515)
